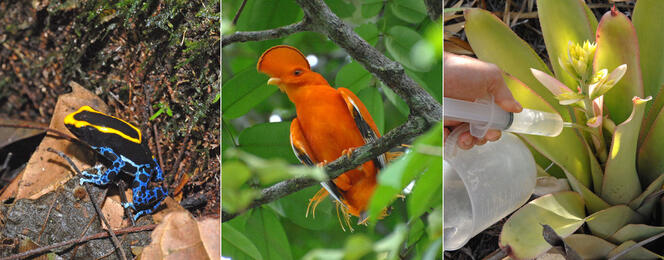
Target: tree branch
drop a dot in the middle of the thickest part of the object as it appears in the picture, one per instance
(324, 21)
(413, 127)
(266, 34)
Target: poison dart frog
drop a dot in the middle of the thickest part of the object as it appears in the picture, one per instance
(123, 145)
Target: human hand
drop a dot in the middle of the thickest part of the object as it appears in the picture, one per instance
(467, 78)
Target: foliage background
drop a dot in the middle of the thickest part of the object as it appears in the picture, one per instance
(401, 30)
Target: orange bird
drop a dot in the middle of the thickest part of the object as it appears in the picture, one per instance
(330, 123)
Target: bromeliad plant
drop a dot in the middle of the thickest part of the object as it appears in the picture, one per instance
(612, 157)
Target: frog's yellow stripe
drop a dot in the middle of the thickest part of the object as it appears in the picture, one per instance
(70, 120)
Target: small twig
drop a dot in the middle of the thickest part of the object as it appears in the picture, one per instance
(114, 239)
(264, 35)
(176, 165)
(47, 129)
(99, 235)
(48, 215)
(239, 11)
(154, 127)
(92, 219)
(122, 186)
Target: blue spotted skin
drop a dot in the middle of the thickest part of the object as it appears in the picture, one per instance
(145, 199)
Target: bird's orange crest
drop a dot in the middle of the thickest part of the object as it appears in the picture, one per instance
(279, 60)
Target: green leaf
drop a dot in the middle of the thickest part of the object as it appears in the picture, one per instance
(617, 45)
(353, 77)
(357, 246)
(243, 92)
(637, 253)
(412, 11)
(636, 232)
(295, 208)
(341, 8)
(494, 42)
(399, 43)
(374, 103)
(427, 190)
(648, 23)
(265, 230)
(522, 232)
(433, 251)
(621, 181)
(396, 100)
(564, 21)
(593, 202)
(263, 15)
(399, 173)
(371, 8)
(268, 140)
(575, 159)
(652, 188)
(589, 247)
(435, 227)
(237, 173)
(606, 222)
(236, 245)
(368, 32)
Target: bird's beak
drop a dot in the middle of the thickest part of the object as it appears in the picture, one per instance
(274, 81)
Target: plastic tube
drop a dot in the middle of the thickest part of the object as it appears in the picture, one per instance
(483, 115)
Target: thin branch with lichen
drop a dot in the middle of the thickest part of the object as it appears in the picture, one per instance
(425, 110)
(266, 34)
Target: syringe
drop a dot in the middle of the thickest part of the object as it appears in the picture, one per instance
(483, 115)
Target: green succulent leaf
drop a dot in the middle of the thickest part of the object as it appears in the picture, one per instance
(563, 21)
(621, 181)
(636, 253)
(593, 202)
(648, 23)
(588, 246)
(606, 222)
(575, 158)
(522, 232)
(617, 45)
(495, 42)
(635, 232)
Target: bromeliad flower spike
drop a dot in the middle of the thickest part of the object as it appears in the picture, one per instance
(123, 145)
(330, 123)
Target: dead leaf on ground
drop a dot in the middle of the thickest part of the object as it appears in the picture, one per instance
(9, 135)
(46, 171)
(180, 236)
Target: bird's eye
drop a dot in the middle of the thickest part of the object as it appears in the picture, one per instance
(297, 72)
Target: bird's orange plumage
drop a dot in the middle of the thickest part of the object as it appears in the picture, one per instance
(325, 127)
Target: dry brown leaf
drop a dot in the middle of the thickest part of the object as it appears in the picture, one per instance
(180, 236)
(170, 205)
(46, 171)
(9, 135)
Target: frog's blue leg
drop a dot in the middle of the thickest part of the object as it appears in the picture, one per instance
(110, 174)
(143, 196)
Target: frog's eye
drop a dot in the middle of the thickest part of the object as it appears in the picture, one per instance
(297, 72)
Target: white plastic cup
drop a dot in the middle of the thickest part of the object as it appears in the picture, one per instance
(483, 185)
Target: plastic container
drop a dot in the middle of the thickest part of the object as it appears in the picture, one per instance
(483, 185)
(484, 115)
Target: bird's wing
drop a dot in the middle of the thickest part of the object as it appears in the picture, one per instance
(304, 153)
(363, 121)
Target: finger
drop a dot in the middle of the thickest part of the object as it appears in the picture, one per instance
(465, 141)
(492, 135)
(451, 123)
(503, 97)
(482, 141)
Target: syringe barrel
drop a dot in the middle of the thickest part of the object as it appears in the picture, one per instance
(536, 123)
(478, 114)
